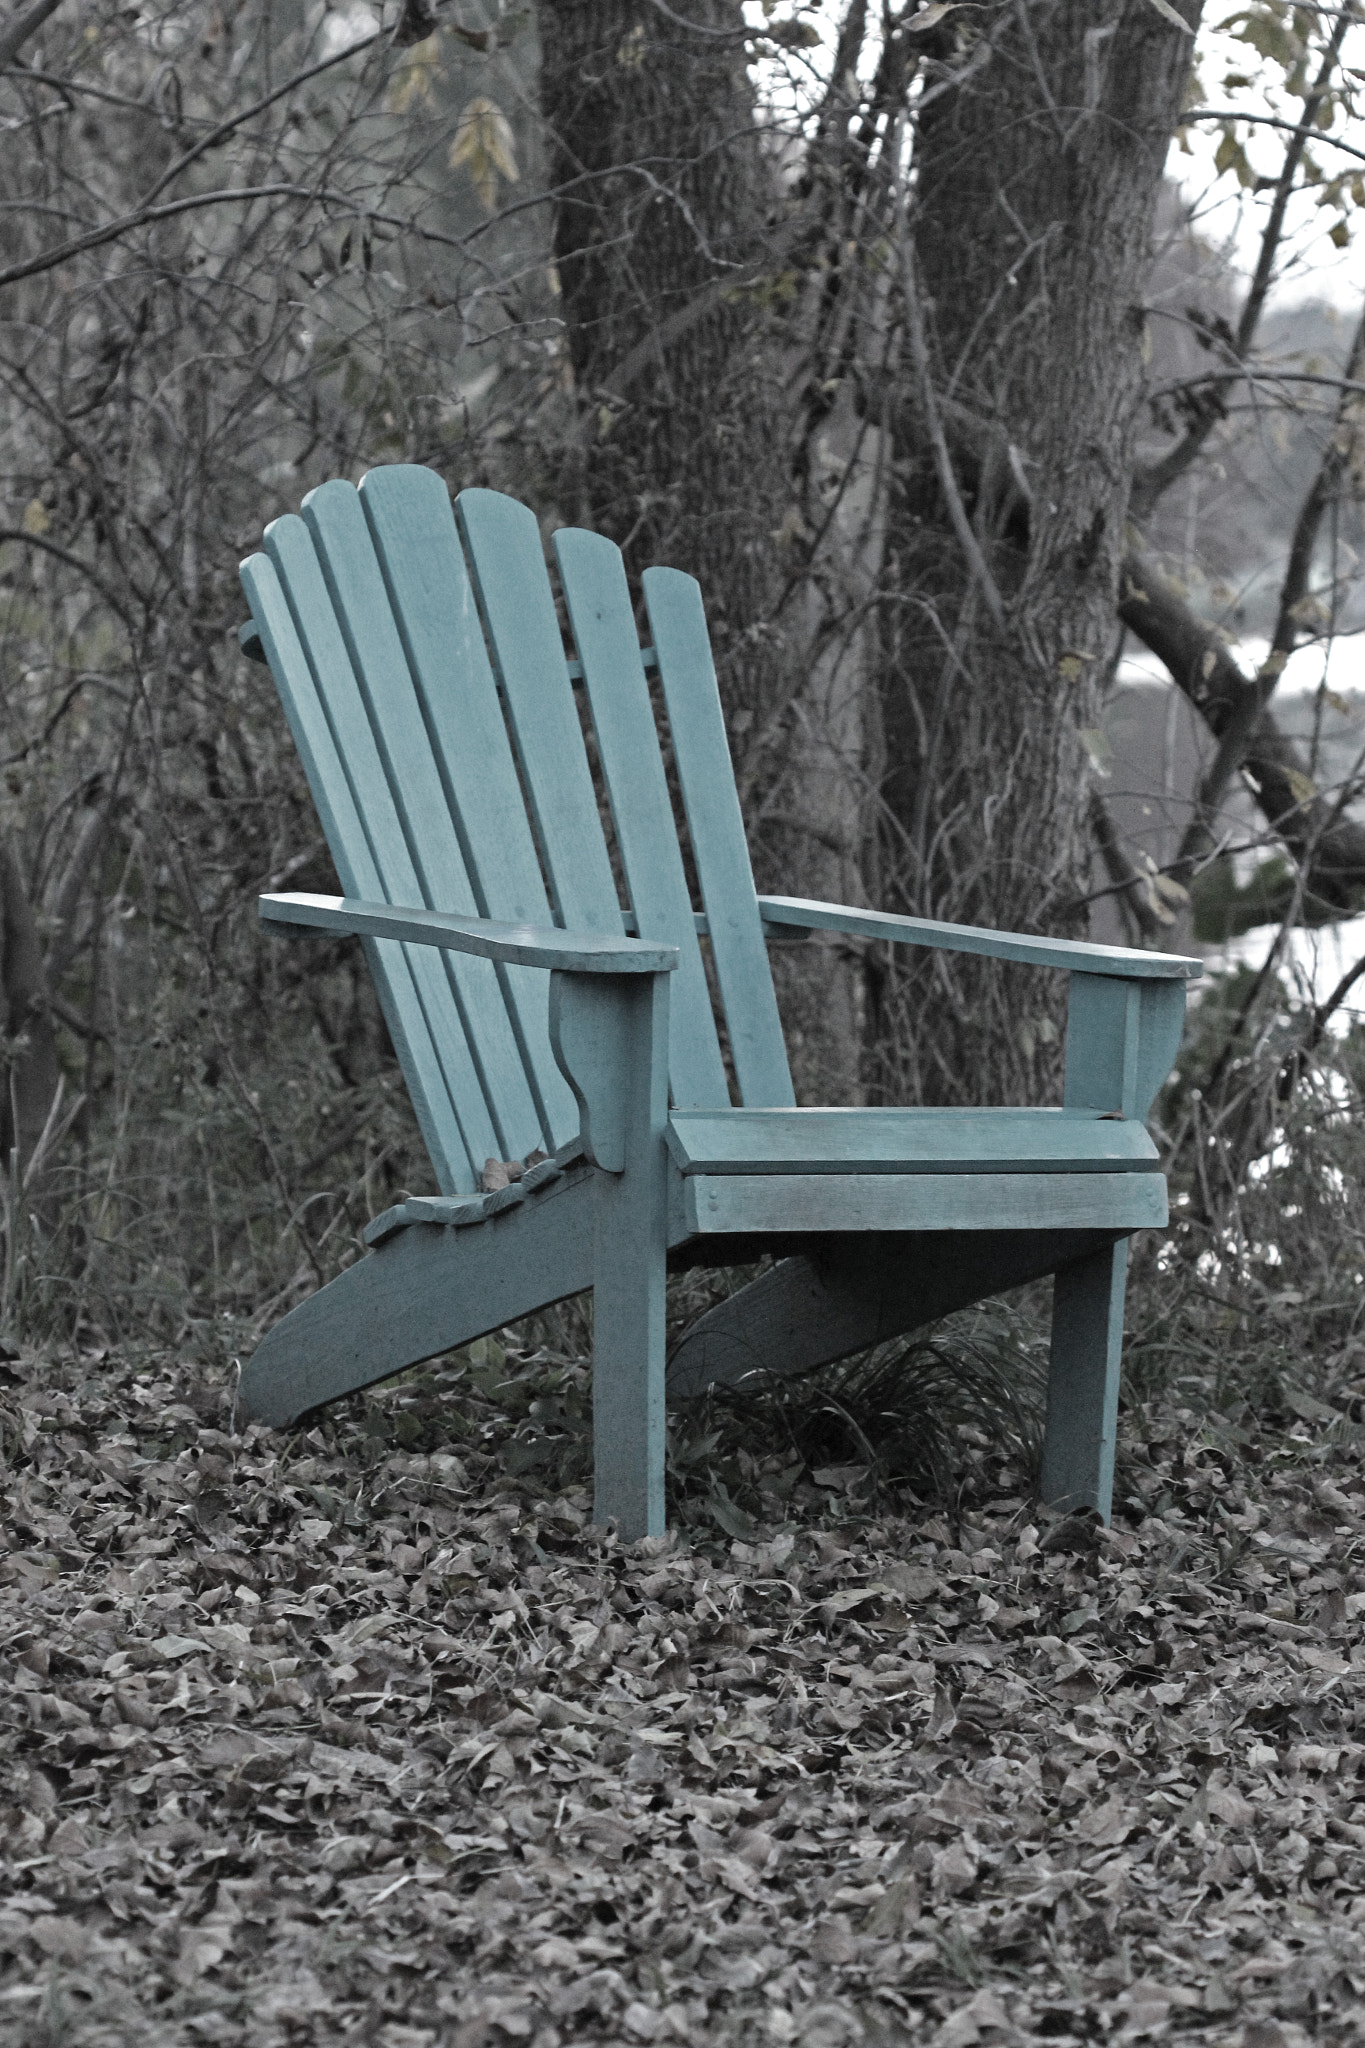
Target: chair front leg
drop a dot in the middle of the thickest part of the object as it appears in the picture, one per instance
(610, 1036)
(1122, 1037)
(1083, 1383)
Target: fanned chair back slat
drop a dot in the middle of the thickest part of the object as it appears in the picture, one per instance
(507, 562)
(395, 704)
(297, 626)
(413, 527)
(421, 857)
(604, 630)
(715, 827)
(431, 698)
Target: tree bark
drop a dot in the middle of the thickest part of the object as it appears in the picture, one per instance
(674, 240)
(29, 1068)
(664, 198)
(1037, 165)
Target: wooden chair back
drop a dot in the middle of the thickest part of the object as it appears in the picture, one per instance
(423, 671)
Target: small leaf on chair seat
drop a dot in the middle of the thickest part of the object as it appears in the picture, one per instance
(500, 1173)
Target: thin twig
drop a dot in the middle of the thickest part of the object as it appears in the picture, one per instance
(1268, 121)
(933, 426)
(1160, 475)
(28, 24)
(144, 216)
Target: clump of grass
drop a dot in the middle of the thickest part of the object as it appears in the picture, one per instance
(937, 1419)
(945, 1413)
(1258, 1292)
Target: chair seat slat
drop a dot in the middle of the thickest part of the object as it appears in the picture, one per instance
(782, 1203)
(743, 1141)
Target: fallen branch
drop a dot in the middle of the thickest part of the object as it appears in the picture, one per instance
(1329, 846)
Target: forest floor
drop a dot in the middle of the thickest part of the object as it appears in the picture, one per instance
(357, 1736)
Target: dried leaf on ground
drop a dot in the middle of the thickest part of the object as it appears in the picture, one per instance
(360, 1733)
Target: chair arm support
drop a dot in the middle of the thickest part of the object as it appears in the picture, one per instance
(516, 945)
(1076, 955)
(609, 1036)
(1122, 1037)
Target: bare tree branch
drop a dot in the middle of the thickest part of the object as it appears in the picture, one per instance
(1250, 376)
(1232, 740)
(1130, 889)
(227, 128)
(1150, 483)
(1329, 845)
(13, 38)
(143, 216)
(1270, 121)
(1318, 1019)
(933, 427)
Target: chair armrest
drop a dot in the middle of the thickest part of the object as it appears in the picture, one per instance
(517, 945)
(1077, 955)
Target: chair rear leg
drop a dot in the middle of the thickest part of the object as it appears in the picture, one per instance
(1083, 1384)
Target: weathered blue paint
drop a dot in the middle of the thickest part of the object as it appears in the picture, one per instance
(419, 656)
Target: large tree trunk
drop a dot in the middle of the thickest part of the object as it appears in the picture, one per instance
(1036, 171)
(28, 1070)
(664, 201)
(672, 228)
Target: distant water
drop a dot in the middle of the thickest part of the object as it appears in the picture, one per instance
(1312, 962)
(1339, 663)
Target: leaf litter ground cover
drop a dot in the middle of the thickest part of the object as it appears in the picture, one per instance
(365, 1734)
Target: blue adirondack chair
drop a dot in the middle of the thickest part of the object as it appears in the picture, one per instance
(422, 666)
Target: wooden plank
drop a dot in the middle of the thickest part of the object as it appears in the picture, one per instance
(421, 860)
(598, 601)
(528, 946)
(809, 1311)
(1083, 1383)
(612, 1039)
(1077, 955)
(422, 1293)
(502, 544)
(451, 1212)
(290, 547)
(716, 829)
(1103, 1017)
(764, 1202)
(742, 1141)
(409, 993)
(1161, 1025)
(412, 524)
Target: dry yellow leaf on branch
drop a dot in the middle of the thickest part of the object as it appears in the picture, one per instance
(485, 147)
(413, 81)
(928, 16)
